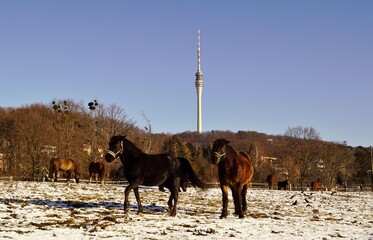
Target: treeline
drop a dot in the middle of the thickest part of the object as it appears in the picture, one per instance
(31, 135)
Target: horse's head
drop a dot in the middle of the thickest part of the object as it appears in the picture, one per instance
(115, 148)
(218, 150)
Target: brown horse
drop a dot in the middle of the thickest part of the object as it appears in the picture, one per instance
(235, 171)
(315, 186)
(270, 181)
(61, 164)
(97, 170)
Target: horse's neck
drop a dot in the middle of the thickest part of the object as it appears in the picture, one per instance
(230, 151)
(131, 151)
(231, 156)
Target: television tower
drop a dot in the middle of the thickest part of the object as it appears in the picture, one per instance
(199, 84)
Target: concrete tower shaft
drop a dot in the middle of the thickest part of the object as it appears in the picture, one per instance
(199, 85)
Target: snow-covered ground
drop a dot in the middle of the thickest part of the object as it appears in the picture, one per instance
(33, 210)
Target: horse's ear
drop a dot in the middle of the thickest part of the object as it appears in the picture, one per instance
(226, 141)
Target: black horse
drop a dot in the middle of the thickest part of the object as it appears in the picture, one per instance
(283, 185)
(140, 168)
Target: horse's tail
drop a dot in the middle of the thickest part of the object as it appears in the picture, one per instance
(192, 176)
(51, 169)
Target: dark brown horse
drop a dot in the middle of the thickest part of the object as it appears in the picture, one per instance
(283, 185)
(270, 181)
(315, 186)
(235, 171)
(61, 164)
(140, 168)
(97, 170)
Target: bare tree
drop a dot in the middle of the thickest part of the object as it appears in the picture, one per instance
(34, 132)
(306, 133)
(8, 141)
(117, 121)
(336, 159)
(304, 144)
(67, 123)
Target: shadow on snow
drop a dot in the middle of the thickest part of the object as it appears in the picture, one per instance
(66, 204)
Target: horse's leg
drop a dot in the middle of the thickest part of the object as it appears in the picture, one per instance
(237, 199)
(244, 201)
(235, 195)
(135, 186)
(68, 176)
(137, 195)
(76, 176)
(224, 190)
(102, 177)
(96, 177)
(169, 203)
(126, 193)
(55, 176)
(241, 201)
(175, 194)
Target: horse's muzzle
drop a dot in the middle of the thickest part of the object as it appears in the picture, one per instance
(217, 157)
(110, 156)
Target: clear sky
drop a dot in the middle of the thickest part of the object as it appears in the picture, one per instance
(267, 65)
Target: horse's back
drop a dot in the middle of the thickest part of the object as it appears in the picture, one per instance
(63, 164)
(96, 167)
(242, 172)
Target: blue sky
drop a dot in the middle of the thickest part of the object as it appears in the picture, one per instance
(267, 65)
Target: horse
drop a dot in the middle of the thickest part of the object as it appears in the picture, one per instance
(270, 181)
(140, 168)
(235, 170)
(283, 185)
(66, 165)
(97, 170)
(315, 186)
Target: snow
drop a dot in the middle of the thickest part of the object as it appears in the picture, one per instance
(34, 210)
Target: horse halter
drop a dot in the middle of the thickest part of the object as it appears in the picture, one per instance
(120, 151)
(220, 156)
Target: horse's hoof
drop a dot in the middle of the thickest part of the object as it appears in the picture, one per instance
(223, 216)
(241, 216)
(127, 216)
(173, 214)
(140, 210)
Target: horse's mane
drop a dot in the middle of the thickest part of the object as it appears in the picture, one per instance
(230, 149)
(130, 146)
(245, 154)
